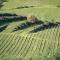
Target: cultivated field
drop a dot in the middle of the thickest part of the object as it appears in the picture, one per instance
(23, 40)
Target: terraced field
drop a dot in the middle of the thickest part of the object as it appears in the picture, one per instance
(22, 40)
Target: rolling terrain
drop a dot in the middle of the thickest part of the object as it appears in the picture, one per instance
(22, 40)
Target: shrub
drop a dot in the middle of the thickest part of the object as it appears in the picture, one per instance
(32, 18)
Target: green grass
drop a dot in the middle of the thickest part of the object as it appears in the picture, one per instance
(23, 45)
(41, 45)
(17, 3)
(43, 13)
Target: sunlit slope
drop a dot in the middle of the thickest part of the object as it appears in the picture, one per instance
(43, 13)
(11, 4)
(24, 45)
(41, 45)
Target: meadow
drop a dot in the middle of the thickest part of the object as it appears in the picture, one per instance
(22, 40)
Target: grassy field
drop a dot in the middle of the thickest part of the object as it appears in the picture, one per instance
(30, 42)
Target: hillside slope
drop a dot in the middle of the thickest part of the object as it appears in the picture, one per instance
(21, 40)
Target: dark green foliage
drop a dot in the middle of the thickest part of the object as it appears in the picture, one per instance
(7, 17)
(24, 7)
(27, 25)
(7, 14)
(3, 28)
(1, 3)
(23, 26)
(58, 6)
(57, 56)
(45, 26)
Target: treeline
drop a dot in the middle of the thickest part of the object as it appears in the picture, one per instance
(7, 17)
(1, 3)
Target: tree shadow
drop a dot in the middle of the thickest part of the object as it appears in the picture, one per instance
(27, 25)
(7, 14)
(23, 26)
(3, 0)
(1, 6)
(44, 27)
(3, 27)
(22, 7)
(7, 17)
(58, 57)
(1, 3)
(58, 6)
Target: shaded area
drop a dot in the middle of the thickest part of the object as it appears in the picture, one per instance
(58, 22)
(27, 25)
(7, 17)
(1, 3)
(21, 7)
(24, 7)
(3, 27)
(58, 6)
(7, 14)
(13, 18)
(49, 25)
(45, 26)
(57, 56)
(23, 26)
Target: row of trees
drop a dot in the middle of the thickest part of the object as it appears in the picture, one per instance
(1, 3)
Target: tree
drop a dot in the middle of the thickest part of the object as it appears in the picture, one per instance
(1, 3)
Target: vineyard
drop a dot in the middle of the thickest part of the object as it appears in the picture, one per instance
(23, 40)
